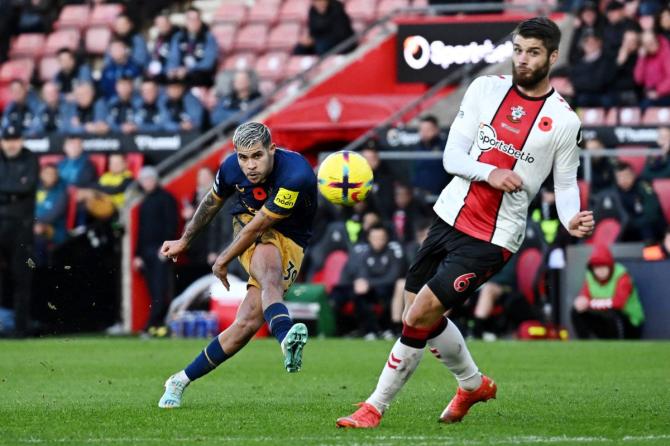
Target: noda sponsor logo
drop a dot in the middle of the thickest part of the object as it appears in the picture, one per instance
(418, 52)
(487, 139)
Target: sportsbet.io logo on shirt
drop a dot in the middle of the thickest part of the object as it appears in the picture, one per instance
(286, 198)
(487, 139)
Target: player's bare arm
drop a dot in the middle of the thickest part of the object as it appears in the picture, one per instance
(245, 238)
(207, 209)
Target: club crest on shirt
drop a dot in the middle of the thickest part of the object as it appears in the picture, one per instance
(517, 112)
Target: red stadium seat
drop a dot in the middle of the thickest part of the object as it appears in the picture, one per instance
(592, 116)
(272, 66)
(636, 162)
(27, 45)
(584, 192)
(104, 14)
(656, 116)
(294, 11)
(73, 16)
(97, 40)
(264, 12)
(387, 6)
(329, 276)
(252, 37)
(135, 161)
(607, 231)
(298, 64)
(4, 95)
(284, 36)
(224, 33)
(629, 116)
(527, 268)
(17, 69)
(99, 160)
(50, 159)
(420, 3)
(66, 38)
(361, 10)
(240, 61)
(48, 68)
(230, 12)
(662, 189)
(71, 216)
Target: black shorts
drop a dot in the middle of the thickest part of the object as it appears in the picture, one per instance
(453, 264)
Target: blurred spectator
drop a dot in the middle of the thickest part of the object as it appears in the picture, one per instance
(7, 24)
(160, 47)
(245, 91)
(429, 175)
(34, 16)
(120, 109)
(193, 52)
(180, 110)
(147, 110)
(381, 196)
(617, 24)
(49, 114)
(204, 249)
(70, 73)
(663, 22)
(76, 169)
(374, 267)
(588, 18)
(630, 8)
(623, 89)
(659, 166)
(407, 214)
(157, 223)
(18, 185)
(602, 167)
(647, 13)
(660, 251)
(652, 70)
(545, 214)
(50, 212)
(124, 30)
(608, 305)
(641, 205)
(116, 180)
(85, 114)
(19, 112)
(117, 66)
(328, 25)
(591, 74)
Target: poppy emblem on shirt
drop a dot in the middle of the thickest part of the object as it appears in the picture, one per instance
(545, 123)
(517, 113)
(259, 193)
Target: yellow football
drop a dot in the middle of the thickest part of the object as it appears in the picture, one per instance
(345, 178)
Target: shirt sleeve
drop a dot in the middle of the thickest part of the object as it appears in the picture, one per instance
(566, 162)
(222, 188)
(467, 119)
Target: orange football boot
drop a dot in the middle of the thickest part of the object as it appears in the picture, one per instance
(367, 416)
(460, 404)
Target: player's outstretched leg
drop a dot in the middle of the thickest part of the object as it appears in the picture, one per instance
(420, 323)
(247, 322)
(448, 345)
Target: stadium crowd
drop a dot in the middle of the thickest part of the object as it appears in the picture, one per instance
(618, 57)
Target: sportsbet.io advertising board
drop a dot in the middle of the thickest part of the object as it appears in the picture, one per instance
(428, 52)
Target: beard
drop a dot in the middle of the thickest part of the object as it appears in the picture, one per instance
(531, 78)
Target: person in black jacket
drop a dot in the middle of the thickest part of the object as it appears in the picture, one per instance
(18, 186)
(157, 222)
(591, 75)
(328, 25)
(588, 18)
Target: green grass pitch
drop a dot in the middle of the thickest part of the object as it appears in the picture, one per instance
(96, 391)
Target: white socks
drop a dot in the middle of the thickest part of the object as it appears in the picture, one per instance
(449, 347)
(181, 376)
(400, 365)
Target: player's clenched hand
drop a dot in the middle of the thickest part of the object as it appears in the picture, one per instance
(172, 248)
(505, 180)
(220, 270)
(582, 224)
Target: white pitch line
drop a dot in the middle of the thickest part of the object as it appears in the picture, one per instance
(381, 440)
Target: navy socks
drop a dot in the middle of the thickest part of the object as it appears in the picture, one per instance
(209, 359)
(278, 319)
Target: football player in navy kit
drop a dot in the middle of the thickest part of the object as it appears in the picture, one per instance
(275, 193)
